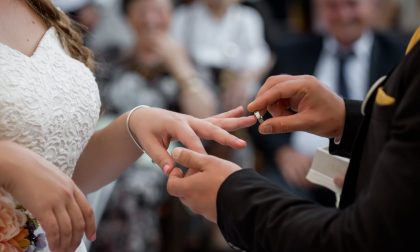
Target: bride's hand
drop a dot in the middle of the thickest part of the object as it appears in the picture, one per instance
(53, 199)
(155, 128)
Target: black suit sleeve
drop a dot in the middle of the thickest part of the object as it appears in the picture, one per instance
(353, 121)
(257, 216)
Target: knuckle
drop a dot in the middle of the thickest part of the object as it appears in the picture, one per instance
(179, 121)
(280, 127)
(66, 192)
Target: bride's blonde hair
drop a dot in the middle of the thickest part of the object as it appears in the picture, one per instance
(69, 32)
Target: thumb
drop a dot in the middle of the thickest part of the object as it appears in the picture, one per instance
(190, 159)
(175, 184)
(284, 124)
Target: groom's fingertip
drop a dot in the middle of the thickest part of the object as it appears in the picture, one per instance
(176, 153)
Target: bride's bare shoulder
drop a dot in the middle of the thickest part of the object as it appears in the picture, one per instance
(20, 27)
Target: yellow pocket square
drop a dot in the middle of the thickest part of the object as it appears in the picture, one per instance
(382, 99)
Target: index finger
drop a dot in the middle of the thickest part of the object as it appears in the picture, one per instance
(282, 90)
(272, 81)
(189, 158)
(175, 184)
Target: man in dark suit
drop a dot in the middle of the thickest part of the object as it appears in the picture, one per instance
(379, 207)
(348, 58)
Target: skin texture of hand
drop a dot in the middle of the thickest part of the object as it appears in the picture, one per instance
(299, 103)
(54, 200)
(155, 128)
(293, 166)
(198, 191)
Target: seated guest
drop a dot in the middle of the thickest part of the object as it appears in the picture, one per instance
(158, 72)
(225, 40)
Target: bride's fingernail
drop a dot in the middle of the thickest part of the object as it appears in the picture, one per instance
(166, 169)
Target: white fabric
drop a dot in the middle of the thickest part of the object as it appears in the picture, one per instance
(236, 41)
(356, 72)
(81, 248)
(49, 102)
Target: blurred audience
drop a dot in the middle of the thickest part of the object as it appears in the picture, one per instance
(348, 57)
(226, 41)
(84, 12)
(409, 16)
(158, 72)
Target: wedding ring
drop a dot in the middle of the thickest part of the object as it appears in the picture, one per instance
(259, 117)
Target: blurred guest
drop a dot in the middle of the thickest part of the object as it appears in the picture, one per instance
(156, 73)
(226, 40)
(348, 58)
(83, 12)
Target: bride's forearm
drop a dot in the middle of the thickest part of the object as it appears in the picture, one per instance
(109, 152)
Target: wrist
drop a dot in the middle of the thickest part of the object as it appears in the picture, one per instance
(128, 124)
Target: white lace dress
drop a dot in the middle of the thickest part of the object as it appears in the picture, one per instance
(50, 104)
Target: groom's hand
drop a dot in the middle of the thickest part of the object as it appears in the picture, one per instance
(199, 190)
(299, 103)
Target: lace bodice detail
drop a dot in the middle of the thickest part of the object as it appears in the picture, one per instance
(49, 102)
